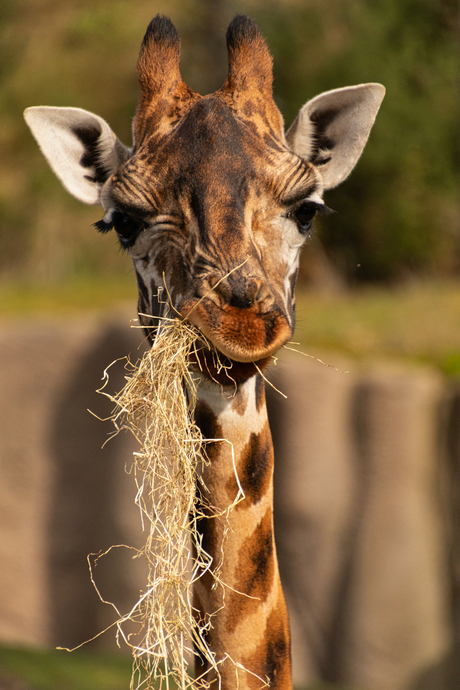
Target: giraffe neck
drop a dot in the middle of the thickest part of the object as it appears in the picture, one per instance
(250, 624)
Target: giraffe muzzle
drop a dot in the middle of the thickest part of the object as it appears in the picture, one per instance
(241, 334)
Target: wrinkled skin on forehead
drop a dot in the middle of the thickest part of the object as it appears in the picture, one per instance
(215, 195)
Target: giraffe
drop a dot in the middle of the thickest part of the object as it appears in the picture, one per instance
(214, 202)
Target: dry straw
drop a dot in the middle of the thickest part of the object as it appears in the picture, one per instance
(157, 405)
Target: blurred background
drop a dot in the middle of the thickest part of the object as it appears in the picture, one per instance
(379, 282)
(398, 212)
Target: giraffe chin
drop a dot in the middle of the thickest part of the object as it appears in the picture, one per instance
(229, 372)
(245, 338)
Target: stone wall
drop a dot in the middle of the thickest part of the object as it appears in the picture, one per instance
(363, 524)
(367, 505)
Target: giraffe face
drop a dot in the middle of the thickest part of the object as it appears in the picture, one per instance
(214, 201)
(209, 203)
(214, 216)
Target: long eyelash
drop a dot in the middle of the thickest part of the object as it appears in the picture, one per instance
(321, 208)
(102, 226)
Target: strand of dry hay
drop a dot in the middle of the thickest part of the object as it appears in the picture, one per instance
(157, 405)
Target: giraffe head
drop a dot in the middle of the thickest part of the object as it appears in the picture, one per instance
(213, 202)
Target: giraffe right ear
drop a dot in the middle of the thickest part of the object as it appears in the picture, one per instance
(332, 129)
(80, 147)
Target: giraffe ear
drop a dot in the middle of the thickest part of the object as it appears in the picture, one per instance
(80, 147)
(332, 129)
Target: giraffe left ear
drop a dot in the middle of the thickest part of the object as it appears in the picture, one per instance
(80, 147)
(332, 129)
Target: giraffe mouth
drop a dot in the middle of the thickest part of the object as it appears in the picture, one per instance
(242, 335)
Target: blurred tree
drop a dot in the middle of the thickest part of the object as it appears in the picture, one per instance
(400, 209)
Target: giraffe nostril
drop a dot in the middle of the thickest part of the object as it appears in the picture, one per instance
(240, 301)
(261, 291)
(246, 293)
(236, 291)
(213, 281)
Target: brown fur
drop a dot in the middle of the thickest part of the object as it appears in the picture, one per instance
(256, 461)
(164, 98)
(210, 428)
(189, 175)
(272, 658)
(218, 169)
(256, 570)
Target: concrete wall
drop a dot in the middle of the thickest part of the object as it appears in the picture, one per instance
(362, 525)
(367, 506)
(62, 496)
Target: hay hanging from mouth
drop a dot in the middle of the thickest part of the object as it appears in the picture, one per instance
(157, 406)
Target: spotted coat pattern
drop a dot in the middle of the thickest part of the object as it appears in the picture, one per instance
(250, 624)
(208, 192)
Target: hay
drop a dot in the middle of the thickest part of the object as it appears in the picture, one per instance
(156, 406)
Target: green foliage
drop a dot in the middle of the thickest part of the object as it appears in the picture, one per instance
(399, 211)
(91, 292)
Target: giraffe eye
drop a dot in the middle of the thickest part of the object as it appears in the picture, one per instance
(305, 213)
(304, 216)
(127, 227)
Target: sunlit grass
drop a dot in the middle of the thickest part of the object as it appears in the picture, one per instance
(420, 323)
(32, 669)
(53, 670)
(85, 294)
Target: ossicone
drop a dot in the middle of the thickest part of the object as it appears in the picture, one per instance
(164, 98)
(250, 65)
(242, 30)
(158, 64)
(161, 30)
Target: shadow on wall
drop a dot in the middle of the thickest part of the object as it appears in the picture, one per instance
(446, 673)
(92, 506)
(360, 529)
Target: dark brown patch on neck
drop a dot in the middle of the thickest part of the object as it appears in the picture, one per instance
(207, 529)
(255, 572)
(255, 469)
(260, 393)
(206, 421)
(272, 659)
(240, 401)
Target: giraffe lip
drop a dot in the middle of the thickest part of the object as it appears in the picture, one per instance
(227, 372)
(242, 335)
